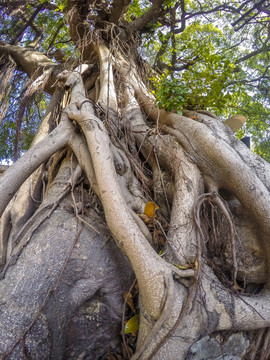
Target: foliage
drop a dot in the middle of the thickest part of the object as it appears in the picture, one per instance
(136, 9)
(209, 69)
(51, 24)
(169, 92)
(211, 76)
(263, 149)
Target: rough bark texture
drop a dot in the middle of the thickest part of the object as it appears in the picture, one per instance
(74, 236)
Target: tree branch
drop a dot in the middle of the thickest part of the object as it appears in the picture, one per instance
(151, 15)
(14, 177)
(257, 79)
(33, 63)
(215, 9)
(28, 23)
(59, 27)
(11, 3)
(247, 13)
(164, 43)
(117, 10)
(250, 55)
(172, 33)
(183, 18)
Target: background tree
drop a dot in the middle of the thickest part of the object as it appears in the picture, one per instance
(130, 175)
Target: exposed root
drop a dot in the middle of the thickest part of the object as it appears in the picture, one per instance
(260, 346)
(108, 143)
(169, 298)
(210, 233)
(74, 180)
(28, 163)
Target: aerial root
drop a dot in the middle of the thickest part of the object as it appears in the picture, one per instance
(167, 307)
(209, 219)
(261, 346)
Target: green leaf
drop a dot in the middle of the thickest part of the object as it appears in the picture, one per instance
(132, 325)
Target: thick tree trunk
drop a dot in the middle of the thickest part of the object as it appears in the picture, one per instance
(72, 240)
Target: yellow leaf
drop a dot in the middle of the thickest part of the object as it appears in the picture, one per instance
(132, 325)
(150, 209)
(196, 265)
(182, 267)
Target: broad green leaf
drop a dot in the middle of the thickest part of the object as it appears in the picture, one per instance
(132, 325)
